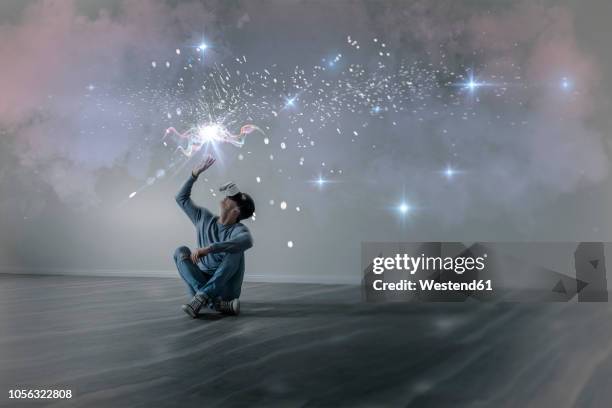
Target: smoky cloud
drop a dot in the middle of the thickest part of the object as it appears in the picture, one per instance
(516, 157)
(59, 77)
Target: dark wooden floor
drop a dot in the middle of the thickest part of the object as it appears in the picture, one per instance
(124, 342)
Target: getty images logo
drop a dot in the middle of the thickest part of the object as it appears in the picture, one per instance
(413, 264)
(518, 271)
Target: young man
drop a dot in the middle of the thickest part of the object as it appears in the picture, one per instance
(213, 272)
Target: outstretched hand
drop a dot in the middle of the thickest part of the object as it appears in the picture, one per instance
(203, 166)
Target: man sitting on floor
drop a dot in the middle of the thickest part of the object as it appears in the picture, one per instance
(214, 271)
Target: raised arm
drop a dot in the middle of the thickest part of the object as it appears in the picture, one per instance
(240, 241)
(183, 197)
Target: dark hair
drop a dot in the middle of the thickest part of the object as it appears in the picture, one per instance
(245, 204)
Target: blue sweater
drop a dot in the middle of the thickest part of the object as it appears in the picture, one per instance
(222, 239)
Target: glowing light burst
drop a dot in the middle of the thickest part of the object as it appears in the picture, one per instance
(320, 181)
(472, 84)
(566, 84)
(290, 102)
(449, 172)
(404, 210)
(199, 136)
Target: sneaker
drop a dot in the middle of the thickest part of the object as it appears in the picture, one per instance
(230, 307)
(193, 307)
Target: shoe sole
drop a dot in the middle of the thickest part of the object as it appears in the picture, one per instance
(236, 307)
(187, 309)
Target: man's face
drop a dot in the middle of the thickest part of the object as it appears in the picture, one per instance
(229, 208)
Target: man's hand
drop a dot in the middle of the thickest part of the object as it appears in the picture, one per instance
(202, 167)
(199, 253)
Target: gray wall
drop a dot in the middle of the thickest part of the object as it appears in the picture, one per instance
(70, 156)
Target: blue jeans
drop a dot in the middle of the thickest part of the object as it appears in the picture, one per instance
(225, 282)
